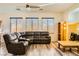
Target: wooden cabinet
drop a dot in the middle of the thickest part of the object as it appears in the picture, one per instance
(62, 31)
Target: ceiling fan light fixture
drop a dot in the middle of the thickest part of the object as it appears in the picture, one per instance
(27, 6)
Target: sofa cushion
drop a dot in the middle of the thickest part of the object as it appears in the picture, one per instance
(44, 34)
(73, 36)
(13, 36)
(77, 38)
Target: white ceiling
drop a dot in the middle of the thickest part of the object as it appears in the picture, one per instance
(54, 7)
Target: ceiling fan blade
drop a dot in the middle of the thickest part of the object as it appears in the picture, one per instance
(20, 6)
(46, 4)
(34, 6)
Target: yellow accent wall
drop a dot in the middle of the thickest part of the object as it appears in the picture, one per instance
(73, 27)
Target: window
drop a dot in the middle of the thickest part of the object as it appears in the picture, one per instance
(40, 25)
(16, 24)
(32, 23)
(44, 24)
(48, 23)
(13, 25)
(20, 25)
(35, 24)
(28, 24)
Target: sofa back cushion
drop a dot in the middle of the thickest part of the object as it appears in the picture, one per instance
(36, 33)
(29, 33)
(77, 38)
(73, 36)
(44, 34)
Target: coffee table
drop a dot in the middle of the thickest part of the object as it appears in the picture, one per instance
(68, 44)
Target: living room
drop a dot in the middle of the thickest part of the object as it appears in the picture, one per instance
(42, 29)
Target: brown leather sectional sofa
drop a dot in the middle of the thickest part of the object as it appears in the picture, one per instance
(37, 37)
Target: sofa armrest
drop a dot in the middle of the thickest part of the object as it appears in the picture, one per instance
(18, 46)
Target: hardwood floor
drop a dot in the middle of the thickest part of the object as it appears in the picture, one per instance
(42, 50)
(34, 50)
(38, 50)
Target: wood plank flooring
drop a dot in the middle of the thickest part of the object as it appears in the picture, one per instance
(42, 50)
(34, 50)
(37, 50)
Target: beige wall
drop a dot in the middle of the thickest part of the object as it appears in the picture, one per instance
(70, 10)
(59, 17)
(5, 16)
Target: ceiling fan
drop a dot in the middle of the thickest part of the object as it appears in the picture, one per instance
(27, 7)
(32, 7)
